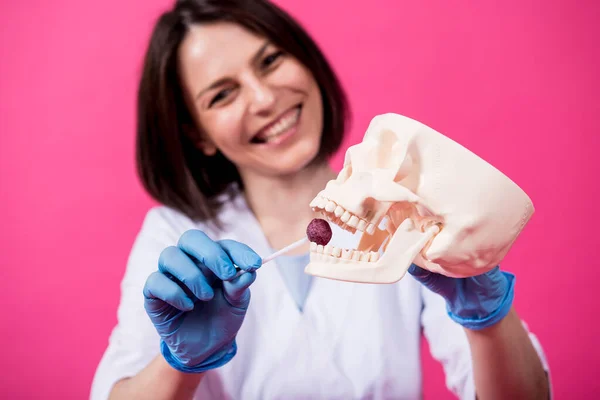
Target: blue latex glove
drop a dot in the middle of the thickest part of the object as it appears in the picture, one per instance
(196, 302)
(476, 302)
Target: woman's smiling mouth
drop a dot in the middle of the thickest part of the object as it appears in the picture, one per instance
(280, 129)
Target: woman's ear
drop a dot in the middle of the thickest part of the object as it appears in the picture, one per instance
(207, 147)
(203, 143)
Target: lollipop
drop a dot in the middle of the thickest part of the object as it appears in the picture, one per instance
(319, 231)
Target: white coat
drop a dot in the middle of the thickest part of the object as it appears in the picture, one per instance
(351, 341)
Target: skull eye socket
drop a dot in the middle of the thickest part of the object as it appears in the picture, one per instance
(404, 169)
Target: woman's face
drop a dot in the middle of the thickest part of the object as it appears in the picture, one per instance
(256, 104)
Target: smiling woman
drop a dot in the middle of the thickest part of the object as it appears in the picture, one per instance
(198, 118)
(238, 112)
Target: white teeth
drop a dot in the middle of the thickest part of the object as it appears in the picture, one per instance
(349, 222)
(383, 224)
(345, 254)
(281, 126)
(362, 224)
(330, 206)
(371, 229)
(332, 212)
(346, 216)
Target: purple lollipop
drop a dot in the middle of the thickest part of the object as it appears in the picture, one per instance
(319, 231)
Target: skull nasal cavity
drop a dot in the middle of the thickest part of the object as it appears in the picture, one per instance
(370, 203)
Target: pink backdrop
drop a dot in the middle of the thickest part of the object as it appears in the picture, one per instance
(515, 81)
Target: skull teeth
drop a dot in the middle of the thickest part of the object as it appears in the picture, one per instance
(330, 206)
(341, 217)
(345, 254)
(346, 216)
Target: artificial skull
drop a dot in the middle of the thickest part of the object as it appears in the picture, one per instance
(420, 197)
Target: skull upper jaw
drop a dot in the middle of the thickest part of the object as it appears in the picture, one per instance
(344, 206)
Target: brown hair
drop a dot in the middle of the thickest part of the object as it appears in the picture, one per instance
(171, 168)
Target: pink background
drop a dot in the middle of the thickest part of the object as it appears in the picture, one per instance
(515, 81)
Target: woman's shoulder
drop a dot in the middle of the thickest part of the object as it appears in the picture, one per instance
(170, 221)
(162, 217)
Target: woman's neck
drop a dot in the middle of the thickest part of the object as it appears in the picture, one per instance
(281, 204)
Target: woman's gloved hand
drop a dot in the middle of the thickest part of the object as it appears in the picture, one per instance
(196, 303)
(475, 302)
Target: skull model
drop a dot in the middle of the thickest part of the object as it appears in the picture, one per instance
(420, 197)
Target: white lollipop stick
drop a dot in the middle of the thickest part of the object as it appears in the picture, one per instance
(287, 248)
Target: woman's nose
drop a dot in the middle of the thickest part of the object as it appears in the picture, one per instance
(261, 97)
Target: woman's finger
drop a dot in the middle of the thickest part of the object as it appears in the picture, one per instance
(237, 292)
(159, 290)
(175, 262)
(241, 255)
(208, 252)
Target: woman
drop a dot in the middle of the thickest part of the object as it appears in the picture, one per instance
(238, 113)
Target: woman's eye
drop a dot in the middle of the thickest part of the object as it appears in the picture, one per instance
(271, 58)
(219, 96)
